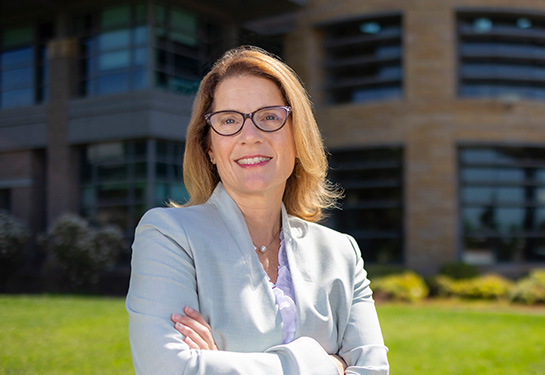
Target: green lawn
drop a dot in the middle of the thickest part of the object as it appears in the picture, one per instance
(454, 338)
(60, 335)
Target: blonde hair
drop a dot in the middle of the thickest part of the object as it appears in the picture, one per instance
(308, 192)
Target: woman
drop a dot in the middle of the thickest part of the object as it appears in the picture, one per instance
(241, 280)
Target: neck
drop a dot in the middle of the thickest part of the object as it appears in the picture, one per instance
(263, 216)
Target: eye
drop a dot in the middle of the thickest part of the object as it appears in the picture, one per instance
(268, 116)
(227, 119)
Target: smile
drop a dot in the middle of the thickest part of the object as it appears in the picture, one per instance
(250, 161)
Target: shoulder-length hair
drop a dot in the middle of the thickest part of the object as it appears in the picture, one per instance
(308, 192)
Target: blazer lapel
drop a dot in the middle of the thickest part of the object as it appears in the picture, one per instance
(235, 223)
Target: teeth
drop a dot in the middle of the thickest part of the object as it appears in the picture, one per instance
(252, 160)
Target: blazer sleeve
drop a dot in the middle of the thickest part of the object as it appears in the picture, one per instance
(163, 282)
(362, 345)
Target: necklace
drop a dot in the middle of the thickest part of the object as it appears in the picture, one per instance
(264, 248)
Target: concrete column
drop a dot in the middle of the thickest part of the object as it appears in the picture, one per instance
(62, 179)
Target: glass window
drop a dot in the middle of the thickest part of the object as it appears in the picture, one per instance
(114, 56)
(113, 60)
(16, 68)
(115, 17)
(501, 55)
(17, 98)
(502, 199)
(184, 49)
(108, 173)
(5, 200)
(113, 40)
(364, 60)
(184, 26)
(15, 37)
(24, 71)
(178, 193)
(372, 209)
(116, 187)
(106, 152)
(16, 57)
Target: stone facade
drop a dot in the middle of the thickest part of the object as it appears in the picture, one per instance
(429, 121)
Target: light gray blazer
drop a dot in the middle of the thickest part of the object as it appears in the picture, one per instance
(203, 257)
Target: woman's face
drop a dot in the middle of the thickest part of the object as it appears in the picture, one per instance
(252, 162)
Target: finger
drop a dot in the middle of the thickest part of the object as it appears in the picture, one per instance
(204, 332)
(175, 318)
(195, 320)
(195, 315)
(191, 343)
(193, 336)
(191, 314)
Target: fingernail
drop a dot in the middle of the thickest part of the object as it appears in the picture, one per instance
(176, 317)
(179, 326)
(189, 309)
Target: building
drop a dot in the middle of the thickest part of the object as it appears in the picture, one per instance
(95, 97)
(432, 110)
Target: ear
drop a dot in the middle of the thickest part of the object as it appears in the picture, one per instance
(211, 155)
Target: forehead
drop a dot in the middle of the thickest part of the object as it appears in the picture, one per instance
(246, 94)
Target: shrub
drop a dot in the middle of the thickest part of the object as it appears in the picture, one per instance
(377, 270)
(441, 286)
(13, 236)
(459, 271)
(407, 286)
(531, 289)
(486, 287)
(81, 252)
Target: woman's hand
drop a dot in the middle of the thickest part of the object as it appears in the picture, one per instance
(339, 362)
(198, 334)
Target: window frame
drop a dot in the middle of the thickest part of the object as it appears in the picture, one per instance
(502, 60)
(378, 162)
(491, 235)
(379, 57)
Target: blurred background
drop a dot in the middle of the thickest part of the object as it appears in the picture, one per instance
(432, 110)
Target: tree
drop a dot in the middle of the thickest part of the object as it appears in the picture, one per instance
(81, 252)
(13, 236)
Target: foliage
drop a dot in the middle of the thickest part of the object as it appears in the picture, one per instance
(13, 236)
(531, 289)
(486, 287)
(441, 286)
(376, 270)
(81, 252)
(407, 286)
(458, 270)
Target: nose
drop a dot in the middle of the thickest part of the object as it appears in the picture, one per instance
(249, 132)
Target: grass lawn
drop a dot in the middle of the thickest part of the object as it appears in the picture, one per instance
(459, 338)
(60, 335)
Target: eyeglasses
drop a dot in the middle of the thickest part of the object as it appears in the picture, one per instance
(267, 119)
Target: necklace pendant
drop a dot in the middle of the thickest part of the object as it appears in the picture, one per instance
(263, 249)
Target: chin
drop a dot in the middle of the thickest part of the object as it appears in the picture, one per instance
(257, 187)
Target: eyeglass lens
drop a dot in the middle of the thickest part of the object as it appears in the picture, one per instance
(267, 119)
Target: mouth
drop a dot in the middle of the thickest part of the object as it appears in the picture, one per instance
(253, 160)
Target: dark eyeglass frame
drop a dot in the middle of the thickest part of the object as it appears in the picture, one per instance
(250, 116)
